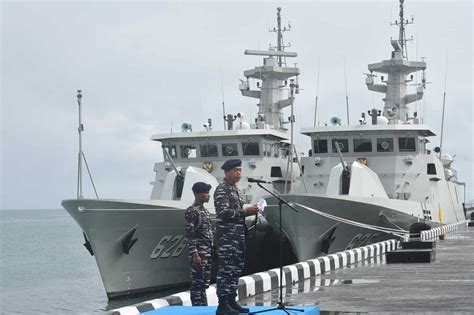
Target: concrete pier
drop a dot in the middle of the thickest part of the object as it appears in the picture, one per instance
(443, 286)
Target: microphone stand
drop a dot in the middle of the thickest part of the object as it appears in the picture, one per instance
(280, 305)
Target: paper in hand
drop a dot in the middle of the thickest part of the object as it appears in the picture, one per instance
(262, 203)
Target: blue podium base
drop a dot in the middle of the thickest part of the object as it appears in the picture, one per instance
(211, 310)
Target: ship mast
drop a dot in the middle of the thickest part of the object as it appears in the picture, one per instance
(397, 69)
(274, 75)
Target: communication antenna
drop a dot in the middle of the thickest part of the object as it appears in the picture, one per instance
(444, 106)
(222, 92)
(279, 31)
(317, 93)
(401, 33)
(347, 97)
(81, 156)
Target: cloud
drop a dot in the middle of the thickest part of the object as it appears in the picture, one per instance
(147, 67)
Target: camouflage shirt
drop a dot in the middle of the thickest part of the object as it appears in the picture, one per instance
(198, 227)
(228, 205)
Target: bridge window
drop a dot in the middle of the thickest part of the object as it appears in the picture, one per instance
(384, 145)
(276, 151)
(320, 146)
(406, 144)
(208, 150)
(363, 145)
(267, 149)
(188, 152)
(229, 149)
(343, 145)
(171, 150)
(251, 148)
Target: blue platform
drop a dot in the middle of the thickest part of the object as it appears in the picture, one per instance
(211, 310)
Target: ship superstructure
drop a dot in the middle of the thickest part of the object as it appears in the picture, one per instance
(370, 181)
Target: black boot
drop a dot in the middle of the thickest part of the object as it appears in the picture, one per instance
(233, 303)
(224, 308)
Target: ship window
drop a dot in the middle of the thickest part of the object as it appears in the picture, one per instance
(251, 148)
(363, 145)
(276, 151)
(320, 146)
(276, 171)
(171, 150)
(188, 152)
(284, 153)
(406, 144)
(431, 169)
(343, 145)
(267, 149)
(208, 150)
(229, 149)
(384, 145)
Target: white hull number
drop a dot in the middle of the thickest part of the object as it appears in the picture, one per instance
(169, 246)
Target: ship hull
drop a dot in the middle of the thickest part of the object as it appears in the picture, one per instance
(158, 259)
(312, 234)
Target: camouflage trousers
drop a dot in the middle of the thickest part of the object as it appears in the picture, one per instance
(231, 262)
(201, 276)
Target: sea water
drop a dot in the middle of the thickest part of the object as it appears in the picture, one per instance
(45, 269)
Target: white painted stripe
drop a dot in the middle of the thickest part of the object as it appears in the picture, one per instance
(211, 294)
(344, 259)
(157, 303)
(366, 251)
(128, 310)
(317, 267)
(306, 272)
(249, 284)
(327, 263)
(359, 254)
(352, 254)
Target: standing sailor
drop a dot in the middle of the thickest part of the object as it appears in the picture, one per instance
(230, 232)
(200, 239)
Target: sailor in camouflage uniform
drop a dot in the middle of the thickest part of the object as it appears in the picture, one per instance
(200, 241)
(230, 232)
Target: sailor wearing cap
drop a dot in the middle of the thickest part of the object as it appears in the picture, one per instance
(200, 241)
(230, 235)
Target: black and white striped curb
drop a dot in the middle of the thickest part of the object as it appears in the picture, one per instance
(441, 230)
(265, 281)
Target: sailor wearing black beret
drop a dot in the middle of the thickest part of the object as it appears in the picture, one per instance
(201, 187)
(230, 164)
(200, 241)
(230, 236)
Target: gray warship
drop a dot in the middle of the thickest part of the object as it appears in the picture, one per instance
(368, 182)
(140, 245)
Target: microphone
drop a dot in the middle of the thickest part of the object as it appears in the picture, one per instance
(258, 181)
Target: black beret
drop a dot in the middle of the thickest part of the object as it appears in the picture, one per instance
(201, 187)
(230, 164)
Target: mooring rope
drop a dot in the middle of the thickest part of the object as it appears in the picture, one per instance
(398, 232)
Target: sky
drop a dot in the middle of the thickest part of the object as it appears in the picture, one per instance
(147, 67)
